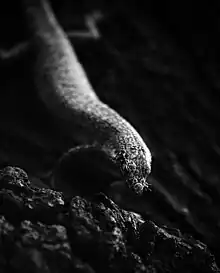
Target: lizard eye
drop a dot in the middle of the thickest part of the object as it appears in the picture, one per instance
(138, 188)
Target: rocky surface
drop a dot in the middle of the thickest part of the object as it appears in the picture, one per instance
(41, 231)
(159, 67)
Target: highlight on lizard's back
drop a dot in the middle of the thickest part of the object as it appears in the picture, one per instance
(30, 137)
(117, 147)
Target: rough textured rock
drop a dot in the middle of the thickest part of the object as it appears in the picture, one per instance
(42, 232)
(159, 67)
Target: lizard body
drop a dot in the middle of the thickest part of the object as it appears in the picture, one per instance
(67, 93)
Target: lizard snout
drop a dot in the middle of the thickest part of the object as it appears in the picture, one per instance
(135, 170)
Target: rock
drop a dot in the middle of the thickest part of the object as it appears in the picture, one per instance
(41, 231)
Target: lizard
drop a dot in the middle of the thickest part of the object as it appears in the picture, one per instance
(65, 90)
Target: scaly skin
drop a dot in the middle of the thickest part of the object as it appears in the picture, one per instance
(65, 90)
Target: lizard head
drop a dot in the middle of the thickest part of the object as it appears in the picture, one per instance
(135, 166)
